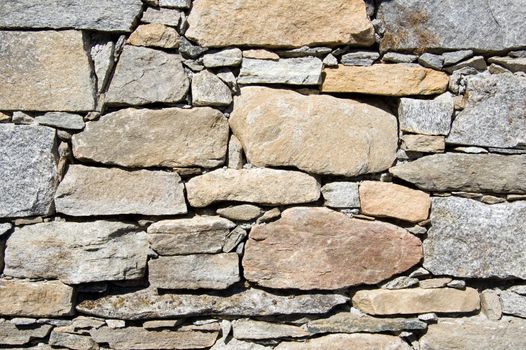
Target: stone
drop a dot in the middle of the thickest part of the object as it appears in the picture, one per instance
(395, 57)
(234, 344)
(416, 301)
(385, 199)
(330, 61)
(4, 228)
(359, 58)
(145, 76)
(166, 16)
(187, 49)
(140, 338)
(513, 303)
(291, 71)
(72, 341)
(513, 64)
(324, 249)
(348, 341)
(477, 63)
(114, 324)
(61, 120)
(458, 284)
(342, 194)
(401, 283)
(285, 128)
(146, 304)
(168, 137)
(102, 15)
(102, 53)
(353, 322)
(260, 55)
(492, 199)
(435, 282)
(492, 117)
(54, 59)
(155, 35)
(457, 80)
(257, 185)
(180, 4)
(77, 252)
(466, 172)
(234, 238)
(28, 181)
(423, 143)
(259, 330)
(385, 79)
(490, 304)
(456, 246)
(282, 23)
(200, 234)
(209, 90)
(428, 117)
(242, 212)
(12, 335)
(435, 24)
(224, 58)
(236, 157)
(475, 333)
(89, 191)
(430, 60)
(269, 215)
(519, 289)
(160, 324)
(454, 57)
(35, 299)
(305, 51)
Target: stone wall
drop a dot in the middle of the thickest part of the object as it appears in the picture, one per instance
(263, 174)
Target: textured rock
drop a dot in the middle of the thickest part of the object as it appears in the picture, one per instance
(292, 71)
(234, 344)
(35, 299)
(77, 252)
(466, 172)
(517, 64)
(513, 303)
(144, 76)
(435, 24)
(61, 120)
(385, 79)
(12, 335)
(416, 301)
(54, 59)
(242, 212)
(348, 341)
(323, 249)
(253, 302)
(251, 329)
(281, 23)
(395, 57)
(435, 282)
(225, 58)
(423, 143)
(431, 61)
(169, 137)
(103, 56)
(263, 186)
(458, 246)
(360, 58)
(234, 238)
(28, 157)
(161, 15)
(454, 57)
(155, 35)
(209, 90)
(87, 191)
(494, 114)
(490, 304)
(180, 4)
(72, 341)
(429, 117)
(261, 55)
(284, 128)
(341, 194)
(384, 199)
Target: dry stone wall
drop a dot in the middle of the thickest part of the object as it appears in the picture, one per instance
(263, 174)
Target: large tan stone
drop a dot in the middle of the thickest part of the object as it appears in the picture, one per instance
(316, 133)
(385, 79)
(384, 199)
(318, 248)
(263, 186)
(155, 35)
(280, 23)
(348, 341)
(416, 301)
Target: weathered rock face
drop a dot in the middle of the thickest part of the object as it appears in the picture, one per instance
(513, 303)
(450, 25)
(170, 137)
(429, 117)
(54, 59)
(61, 120)
(28, 181)
(348, 341)
(263, 186)
(317, 248)
(11, 335)
(77, 252)
(88, 191)
(251, 329)
(281, 23)
(385, 79)
(458, 246)
(292, 71)
(284, 128)
(341, 194)
(253, 302)
(423, 143)
(494, 114)
(169, 17)
(466, 172)
(35, 299)
(209, 90)
(155, 35)
(71, 341)
(234, 344)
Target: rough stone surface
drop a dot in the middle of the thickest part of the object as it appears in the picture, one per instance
(77, 252)
(234, 344)
(169, 137)
(155, 35)
(476, 240)
(281, 23)
(257, 330)
(260, 55)
(385, 79)
(72, 341)
(12, 335)
(317, 248)
(359, 58)
(292, 71)
(263, 186)
(242, 212)
(513, 303)
(209, 90)
(161, 15)
(490, 304)
(348, 341)
(103, 56)
(454, 57)
(61, 120)
(87, 191)
(54, 59)
(341, 194)
(429, 117)
(395, 57)
(284, 128)
(466, 172)
(430, 60)
(181, 4)
(514, 64)
(225, 58)
(28, 157)
(423, 143)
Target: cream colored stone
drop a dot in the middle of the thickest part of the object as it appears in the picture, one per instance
(385, 79)
(490, 304)
(348, 341)
(261, 55)
(252, 329)
(155, 35)
(423, 143)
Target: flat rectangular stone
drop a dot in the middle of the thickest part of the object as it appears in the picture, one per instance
(341, 194)
(252, 329)
(10, 334)
(428, 117)
(165, 16)
(291, 71)
(423, 143)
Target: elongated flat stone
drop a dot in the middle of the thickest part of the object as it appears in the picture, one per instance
(79, 252)
(55, 60)
(61, 120)
(146, 304)
(263, 186)
(87, 191)
(513, 303)
(316, 133)
(324, 249)
(348, 341)
(280, 23)
(466, 172)
(11, 335)
(170, 137)
(341, 194)
(251, 329)
(292, 71)
(429, 117)
(457, 246)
